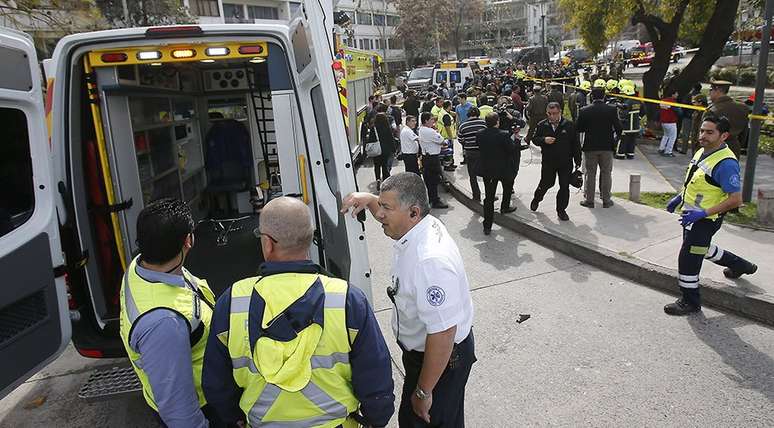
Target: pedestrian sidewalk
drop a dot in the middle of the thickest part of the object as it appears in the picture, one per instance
(632, 240)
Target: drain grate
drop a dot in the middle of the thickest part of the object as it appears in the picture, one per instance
(107, 383)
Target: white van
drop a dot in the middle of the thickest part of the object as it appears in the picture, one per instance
(203, 113)
(453, 73)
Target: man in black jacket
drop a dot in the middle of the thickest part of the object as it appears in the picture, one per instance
(497, 164)
(560, 147)
(600, 123)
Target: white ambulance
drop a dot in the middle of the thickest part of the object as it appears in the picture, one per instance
(223, 117)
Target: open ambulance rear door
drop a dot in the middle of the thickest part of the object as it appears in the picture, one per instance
(34, 319)
(342, 238)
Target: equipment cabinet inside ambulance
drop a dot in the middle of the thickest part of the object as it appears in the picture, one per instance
(223, 117)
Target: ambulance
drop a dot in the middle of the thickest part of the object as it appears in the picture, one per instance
(221, 116)
(453, 73)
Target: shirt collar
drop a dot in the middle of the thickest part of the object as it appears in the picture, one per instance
(163, 277)
(414, 233)
(299, 266)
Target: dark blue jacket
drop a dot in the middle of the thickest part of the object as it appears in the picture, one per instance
(369, 358)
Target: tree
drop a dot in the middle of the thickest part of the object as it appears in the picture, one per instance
(51, 15)
(421, 28)
(144, 13)
(706, 22)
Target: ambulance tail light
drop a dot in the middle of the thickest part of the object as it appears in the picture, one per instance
(174, 31)
(114, 57)
(90, 353)
(251, 50)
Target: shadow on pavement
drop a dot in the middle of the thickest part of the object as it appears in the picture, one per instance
(754, 369)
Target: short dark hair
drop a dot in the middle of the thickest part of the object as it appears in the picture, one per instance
(492, 119)
(409, 118)
(474, 112)
(721, 122)
(554, 104)
(425, 116)
(597, 94)
(393, 99)
(447, 104)
(162, 227)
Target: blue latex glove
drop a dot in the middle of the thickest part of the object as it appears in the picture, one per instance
(692, 216)
(673, 203)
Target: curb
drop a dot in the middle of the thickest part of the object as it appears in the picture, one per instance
(715, 294)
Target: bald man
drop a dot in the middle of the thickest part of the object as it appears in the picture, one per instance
(294, 335)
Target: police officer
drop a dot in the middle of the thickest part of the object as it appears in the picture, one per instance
(433, 314)
(295, 346)
(736, 113)
(712, 188)
(165, 316)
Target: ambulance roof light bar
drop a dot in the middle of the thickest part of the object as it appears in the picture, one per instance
(174, 31)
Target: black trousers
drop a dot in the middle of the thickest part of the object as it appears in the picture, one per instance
(382, 166)
(472, 158)
(697, 246)
(626, 147)
(431, 172)
(448, 408)
(410, 163)
(490, 188)
(548, 174)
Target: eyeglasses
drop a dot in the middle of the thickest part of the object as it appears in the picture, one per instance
(258, 234)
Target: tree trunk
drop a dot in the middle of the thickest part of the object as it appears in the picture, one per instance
(719, 28)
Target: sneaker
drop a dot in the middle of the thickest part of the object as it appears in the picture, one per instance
(681, 307)
(507, 210)
(629, 156)
(563, 215)
(439, 205)
(728, 273)
(669, 155)
(620, 157)
(607, 204)
(587, 204)
(534, 205)
(661, 151)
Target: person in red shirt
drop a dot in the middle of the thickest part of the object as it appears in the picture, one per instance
(668, 115)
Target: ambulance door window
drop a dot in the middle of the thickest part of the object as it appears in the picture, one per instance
(440, 77)
(17, 200)
(455, 76)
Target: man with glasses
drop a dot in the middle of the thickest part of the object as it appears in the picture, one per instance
(294, 345)
(165, 316)
(433, 317)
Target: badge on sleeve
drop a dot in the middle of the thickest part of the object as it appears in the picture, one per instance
(436, 296)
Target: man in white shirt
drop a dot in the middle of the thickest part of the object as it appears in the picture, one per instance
(431, 143)
(409, 145)
(433, 314)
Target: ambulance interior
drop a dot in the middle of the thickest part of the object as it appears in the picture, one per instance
(200, 131)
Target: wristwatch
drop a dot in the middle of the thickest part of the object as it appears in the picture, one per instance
(422, 395)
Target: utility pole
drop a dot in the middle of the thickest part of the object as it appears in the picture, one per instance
(755, 124)
(543, 36)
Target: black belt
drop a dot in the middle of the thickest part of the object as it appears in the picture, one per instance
(431, 156)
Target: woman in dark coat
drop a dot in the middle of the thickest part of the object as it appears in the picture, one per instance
(383, 163)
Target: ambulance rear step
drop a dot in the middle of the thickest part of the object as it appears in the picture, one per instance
(110, 382)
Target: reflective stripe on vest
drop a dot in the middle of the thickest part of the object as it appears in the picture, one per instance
(329, 387)
(139, 296)
(698, 192)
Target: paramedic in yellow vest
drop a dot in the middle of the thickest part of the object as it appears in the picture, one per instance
(712, 188)
(295, 346)
(448, 130)
(165, 316)
(437, 108)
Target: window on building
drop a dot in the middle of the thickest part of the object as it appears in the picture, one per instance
(294, 7)
(394, 43)
(393, 20)
(263, 12)
(364, 18)
(379, 19)
(17, 191)
(233, 13)
(351, 16)
(204, 7)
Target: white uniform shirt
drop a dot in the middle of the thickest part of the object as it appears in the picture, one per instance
(432, 293)
(430, 140)
(409, 141)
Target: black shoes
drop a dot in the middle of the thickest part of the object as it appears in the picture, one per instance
(534, 205)
(587, 204)
(734, 275)
(487, 232)
(629, 156)
(620, 157)
(507, 210)
(607, 204)
(681, 307)
(563, 215)
(439, 205)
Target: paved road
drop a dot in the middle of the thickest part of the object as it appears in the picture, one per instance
(597, 351)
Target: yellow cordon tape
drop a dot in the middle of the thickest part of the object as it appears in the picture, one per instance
(653, 101)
